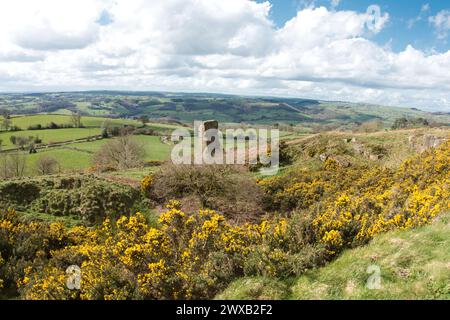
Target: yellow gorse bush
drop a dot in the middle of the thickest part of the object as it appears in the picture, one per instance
(1, 280)
(190, 256)
(183, 258)
(413, 196)
(146, 184)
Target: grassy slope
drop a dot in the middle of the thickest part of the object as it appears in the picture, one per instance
(78, 156)
(396, 144)
(414, 264)
(67, 158)
(49, 136)
(154, 148)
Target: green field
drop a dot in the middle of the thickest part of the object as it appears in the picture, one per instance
(24, 122)
(155, 150)
(234, 109)
(50, 136)
(67, 159)
(78, 156)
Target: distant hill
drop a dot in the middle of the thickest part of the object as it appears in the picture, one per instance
(187, 107)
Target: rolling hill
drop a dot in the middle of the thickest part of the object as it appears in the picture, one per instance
(224, 108)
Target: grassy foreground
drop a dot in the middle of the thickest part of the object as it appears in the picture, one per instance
(414, 264)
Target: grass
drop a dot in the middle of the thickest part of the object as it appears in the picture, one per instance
(414, 264)
(50, 135)
(69, 160)
(188, 107)
(154, 148)
(257, 288)
(78, 156)
(134, 174)
(69, 221)
(24, 122)
(395, 143)
(89, 147)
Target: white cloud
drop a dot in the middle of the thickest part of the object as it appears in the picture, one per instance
(211, 45)
(441, 23)
(50, 24)
(423, 10)
(335, 3)
(425, 7)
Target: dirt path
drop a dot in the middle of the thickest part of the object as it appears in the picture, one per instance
(300, 140)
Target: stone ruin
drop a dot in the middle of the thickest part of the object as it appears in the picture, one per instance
(204, 126)
(420, 143)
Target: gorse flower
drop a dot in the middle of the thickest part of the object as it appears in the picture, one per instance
(193, 256)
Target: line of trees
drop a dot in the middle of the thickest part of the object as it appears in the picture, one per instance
(25, 142)
(403, 123)
(14, 164)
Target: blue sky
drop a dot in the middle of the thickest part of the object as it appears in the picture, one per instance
(398, 33)
(329, 50)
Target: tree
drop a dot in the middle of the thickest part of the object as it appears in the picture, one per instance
(5, 113)
(6, 123)
(106, 128)
(13, 139)
(144, 119)
(12, 165)
(115, 131)
(105, 134)
(403, 123)
(400, 123)
(4, 171)
(119, 154)
(371, 126)
(75, 118)
(22, 142)
(47, 165)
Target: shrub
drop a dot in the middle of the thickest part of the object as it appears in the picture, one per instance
(188, 256)
(227, 189)
(121, 153)
(87, 198)
(47, 165)
(196, 255)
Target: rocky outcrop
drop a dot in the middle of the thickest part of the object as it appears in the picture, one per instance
(420, 143)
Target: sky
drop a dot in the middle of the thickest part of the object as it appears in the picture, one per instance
(382, 51)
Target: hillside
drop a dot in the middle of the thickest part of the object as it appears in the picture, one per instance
(383, 148)
(141, 227)
(414, 264)
(233, 109)
(54, 136)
